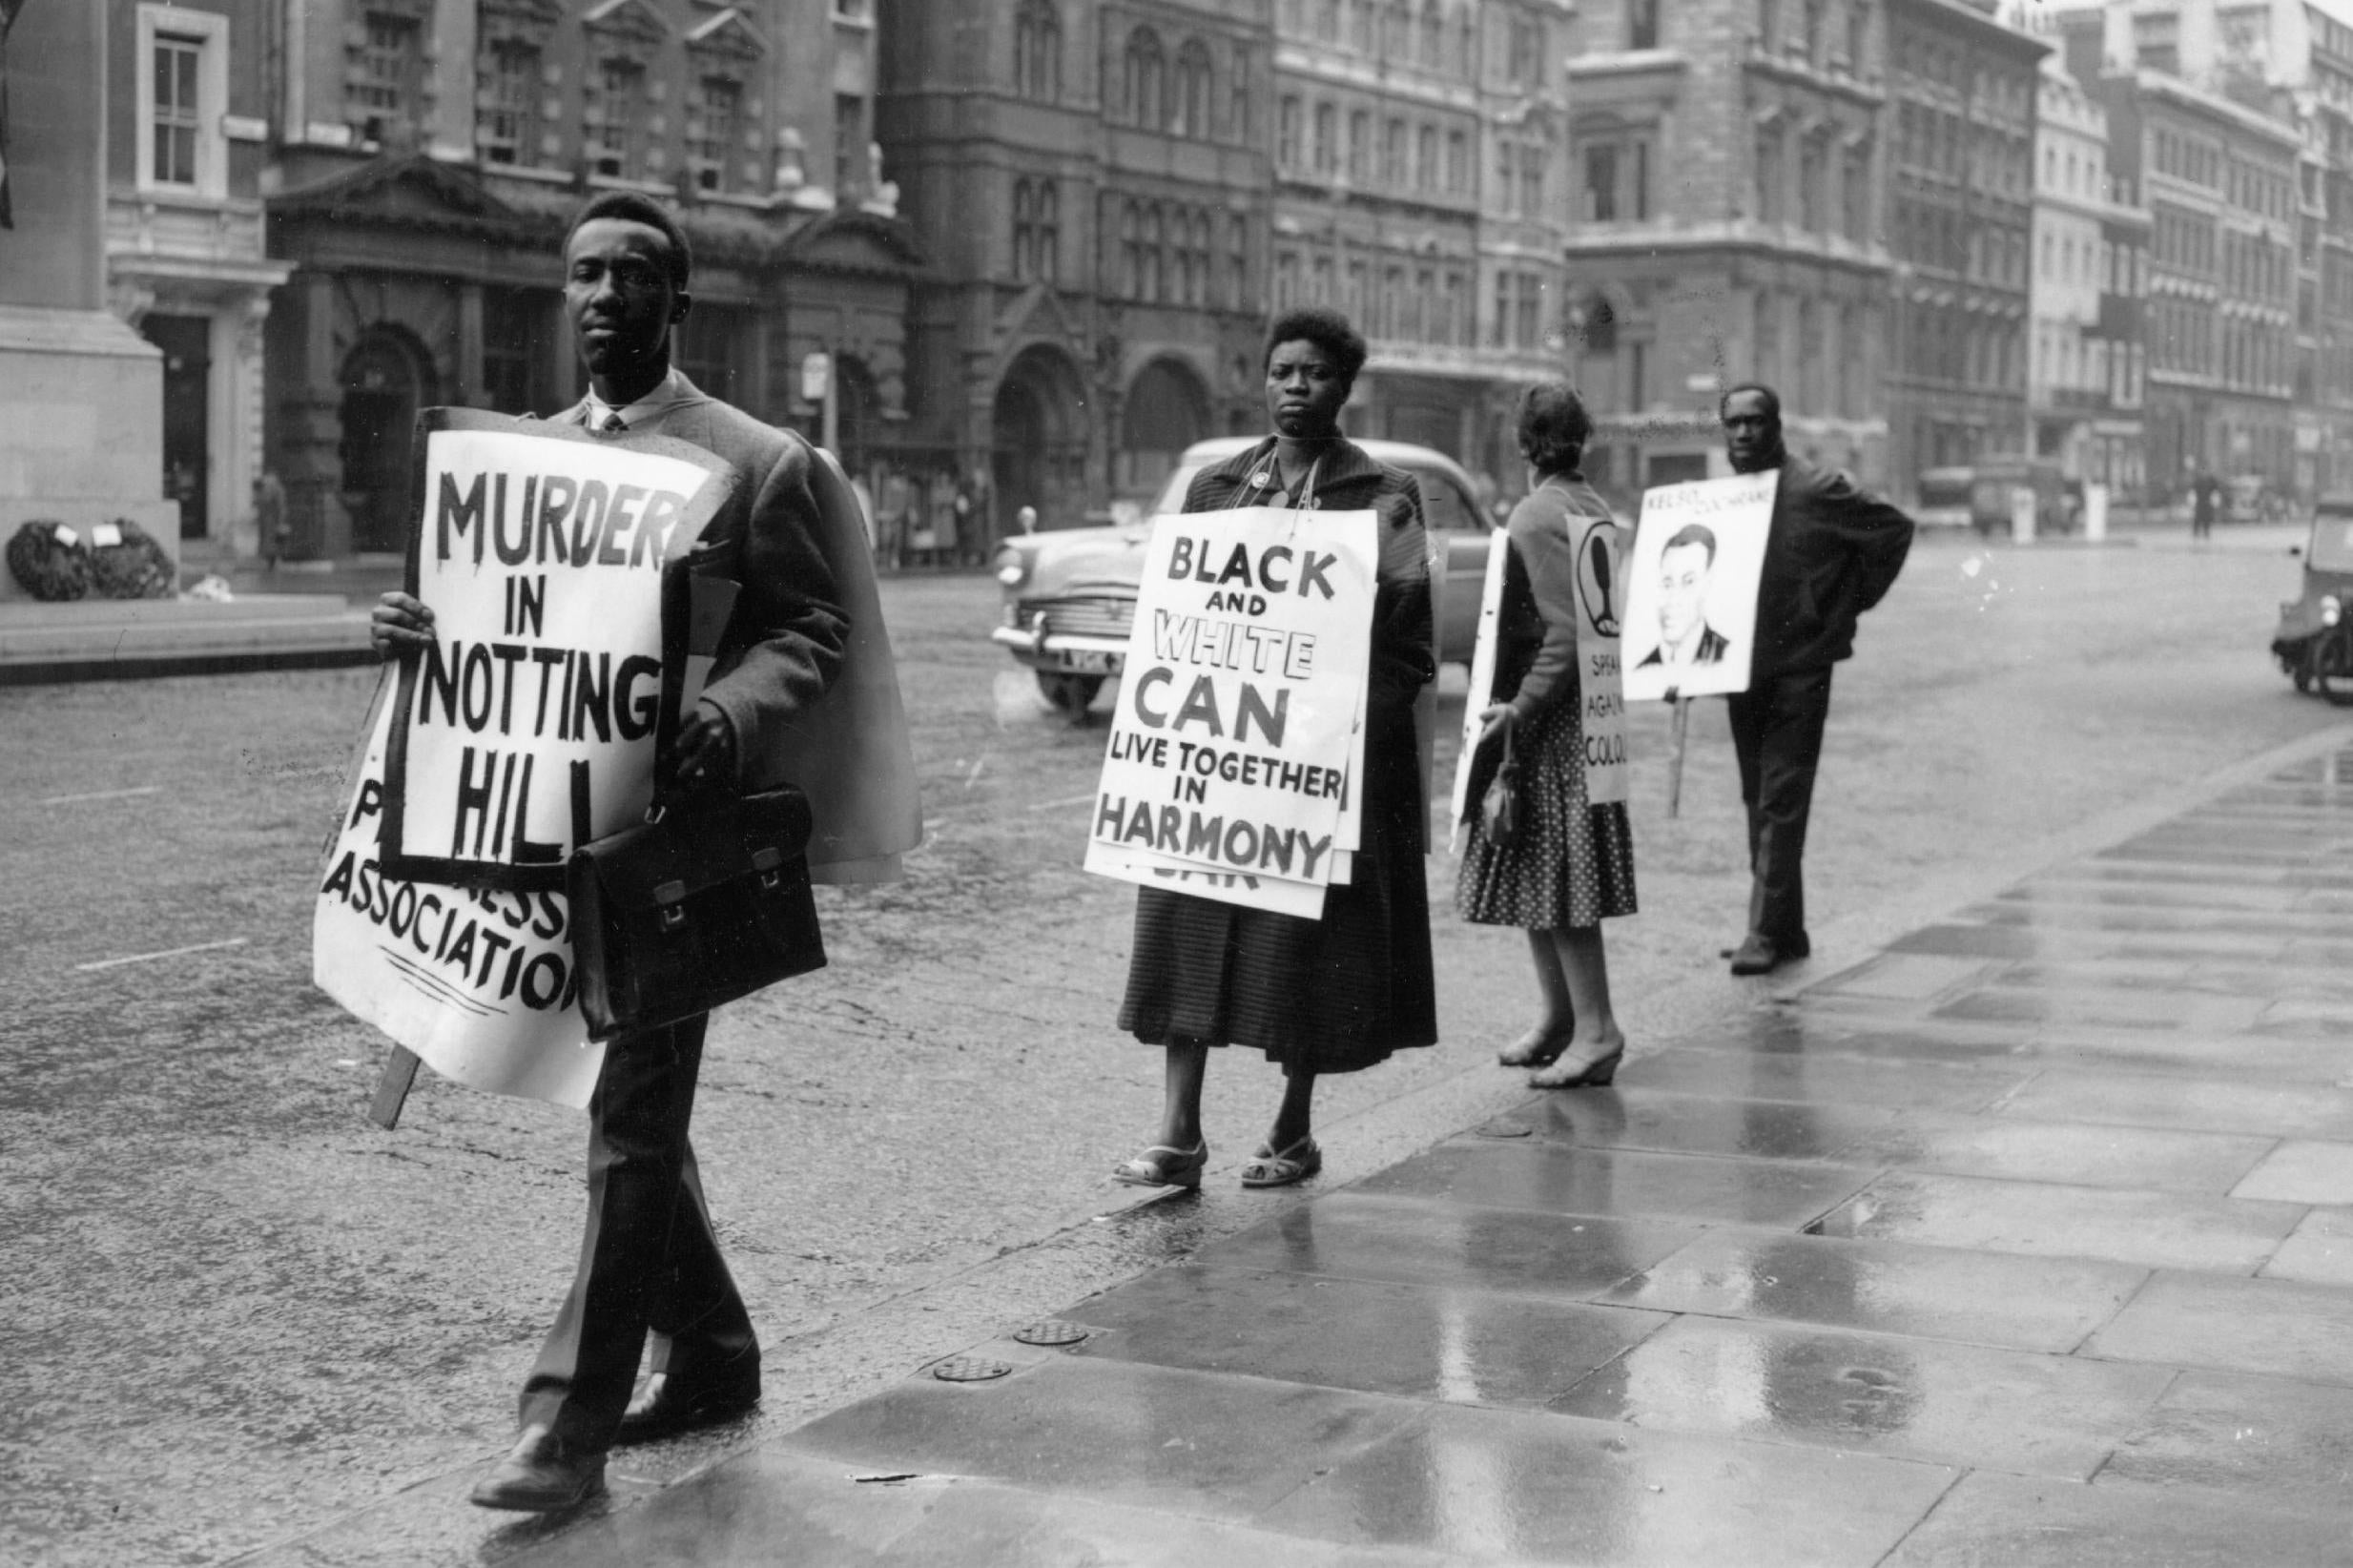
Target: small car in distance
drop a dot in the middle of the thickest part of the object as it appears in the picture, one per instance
(1070, 595)
(2314, 643)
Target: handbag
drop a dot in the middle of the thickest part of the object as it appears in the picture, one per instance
(1499, 808)
(698, 906)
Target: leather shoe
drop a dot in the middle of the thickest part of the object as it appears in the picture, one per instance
(1762, 954)
(668, 1406)
(540, 1474)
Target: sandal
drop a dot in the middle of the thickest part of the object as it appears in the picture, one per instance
(1533, 1049)
(1294, 1165)
(1577, 1073)
(1165, 1165)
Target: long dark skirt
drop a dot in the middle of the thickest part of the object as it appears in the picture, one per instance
(1329, 996)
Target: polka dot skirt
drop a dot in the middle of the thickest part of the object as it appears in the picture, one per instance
(1574, 862)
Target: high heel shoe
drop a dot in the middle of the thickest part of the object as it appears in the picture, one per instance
(1573, 1074)
(1165, 1165)
(1533, 1049)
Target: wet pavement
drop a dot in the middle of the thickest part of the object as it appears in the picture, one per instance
(2024, 1241)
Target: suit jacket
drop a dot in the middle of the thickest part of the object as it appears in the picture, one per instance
(804, 673)
(1713, 646)
(1833, 553)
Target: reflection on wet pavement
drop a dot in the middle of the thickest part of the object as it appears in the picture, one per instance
(2027, 1240)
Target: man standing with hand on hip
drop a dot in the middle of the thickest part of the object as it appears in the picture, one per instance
(802, 691)
(1833, 551)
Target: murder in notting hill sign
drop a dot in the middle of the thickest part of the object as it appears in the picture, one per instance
(1239, 731)
(531, 726)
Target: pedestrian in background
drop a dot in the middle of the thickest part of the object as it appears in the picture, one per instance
(2205, 496)
(1342, 993)
(1571, 864)
(1833, 551)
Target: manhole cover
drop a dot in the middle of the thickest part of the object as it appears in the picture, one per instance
(969, 1368)
(1503, 1129)
(1052, 1331)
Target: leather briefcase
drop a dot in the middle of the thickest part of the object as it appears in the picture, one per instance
(707, 902)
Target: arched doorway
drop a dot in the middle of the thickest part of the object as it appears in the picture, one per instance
(1167, 409)
(1038, 453)
(384, 382)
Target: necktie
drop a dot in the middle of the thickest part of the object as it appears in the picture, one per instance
(613, 425)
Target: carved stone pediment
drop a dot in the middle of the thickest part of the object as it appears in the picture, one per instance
(728, 35)
(626, 21)
(855, 241)
(409, 192)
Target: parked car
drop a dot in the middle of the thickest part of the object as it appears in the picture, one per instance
(2251, 498)
(1977, 496)
(1070, 596)
(2314, 643)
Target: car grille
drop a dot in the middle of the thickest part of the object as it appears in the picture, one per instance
(1084, 615)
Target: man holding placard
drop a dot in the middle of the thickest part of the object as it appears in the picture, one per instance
(795, 686)
(1832, 552)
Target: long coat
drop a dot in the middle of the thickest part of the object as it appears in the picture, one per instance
(805, 673)
(1341, 993)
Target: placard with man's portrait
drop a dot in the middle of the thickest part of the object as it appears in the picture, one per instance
(1691, 585)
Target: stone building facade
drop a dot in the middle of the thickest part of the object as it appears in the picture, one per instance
(187, 266)
(1726, 163)
(1090, 184)
(1961, 204)
(2086, 359)
(429, 154)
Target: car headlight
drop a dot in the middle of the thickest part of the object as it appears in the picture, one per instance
(1011, 570)
(2331, 609)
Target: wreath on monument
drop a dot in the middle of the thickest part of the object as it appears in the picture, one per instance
(50, 561)
(132, 565)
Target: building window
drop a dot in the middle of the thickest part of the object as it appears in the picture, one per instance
(517, 325)
(1024, 230)
(1457, 162)
(1533, 168)
(1814, 207)
(179, 112)
(1327, 140)
(1425, 164)
(1641, 24)
(1038, 51)
(1155, 257)
(383, 90)
(1359, 146)
(506, 124)
(1287, 134)
(1393, 154)
(1602, 183)
(1238, 263)
(849, 142)
(1147, 79)
(1285, 280)
(1046, 230)
(1857, 191)
(1770, 177)
(711, 344)
(1616, 181)
(1131, 251)
(1192, 90)
(1507, 177)
(617, 95)
(1858, 36)
(715, 124)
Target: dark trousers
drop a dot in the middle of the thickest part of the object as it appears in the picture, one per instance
(1777, 735)
(649, 1261)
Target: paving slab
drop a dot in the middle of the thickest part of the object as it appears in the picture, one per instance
(1831, 1080)
(1982, 1298)
(2318, 1251)
(2303, 1171)
(1912, 1140)
(2278, 1326)
(2153, 1230)
(2264, 1436)
(1494, 1486)
(1914, 1398)
(1362, 1235)
(772, 1506)
(1193, 1443)
(2008, 1521)
(1452, 1342)
(1556, 1179)
(2206, 1104)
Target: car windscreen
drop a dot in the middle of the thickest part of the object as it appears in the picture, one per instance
(1171, 497)
(2332, 542)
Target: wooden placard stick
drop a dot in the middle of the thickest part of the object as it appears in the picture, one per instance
(1682, 729)
(392, 1088)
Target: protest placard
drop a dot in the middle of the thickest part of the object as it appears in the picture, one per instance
(1691, 586)
(1241, 705)
(1483, 654)
(530, 724)
(476, 983)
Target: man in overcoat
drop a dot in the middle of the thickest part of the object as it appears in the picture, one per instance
(803, 691)
(1833, 551)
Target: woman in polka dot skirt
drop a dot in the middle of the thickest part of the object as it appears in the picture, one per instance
(1571, 864)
